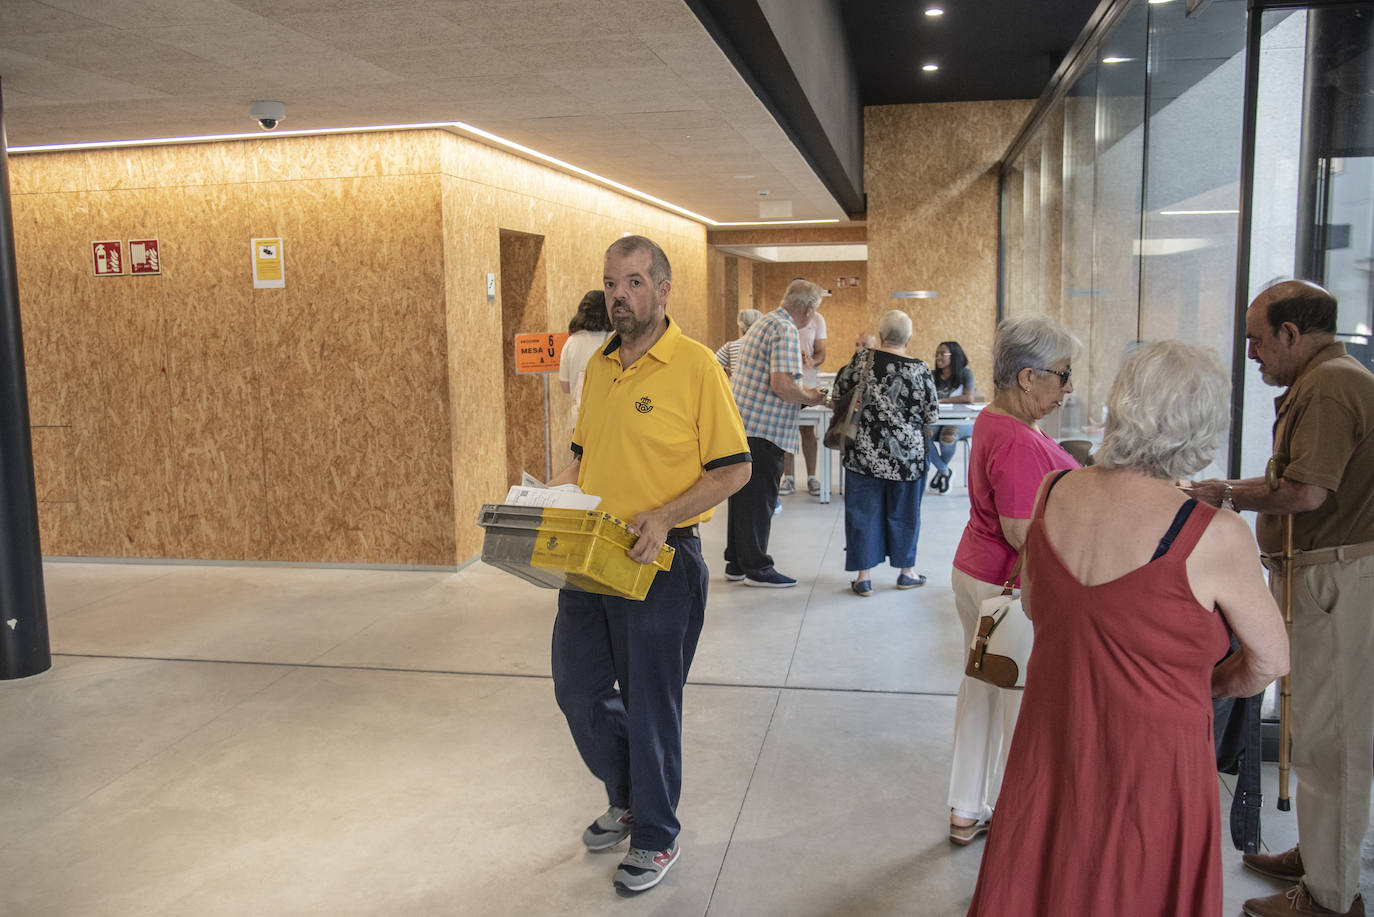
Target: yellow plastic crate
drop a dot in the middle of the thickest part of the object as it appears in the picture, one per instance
(554, 548)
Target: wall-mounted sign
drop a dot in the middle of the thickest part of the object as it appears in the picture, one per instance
(539, 353)
(269, 272)
(143, 257)
(107, 258)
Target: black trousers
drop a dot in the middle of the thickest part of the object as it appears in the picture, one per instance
(751, 509)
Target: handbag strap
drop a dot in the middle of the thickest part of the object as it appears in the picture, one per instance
(1021, 555)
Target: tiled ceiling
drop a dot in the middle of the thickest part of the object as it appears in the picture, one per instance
(634, 90)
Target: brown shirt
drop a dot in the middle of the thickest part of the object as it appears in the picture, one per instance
(1325, 430)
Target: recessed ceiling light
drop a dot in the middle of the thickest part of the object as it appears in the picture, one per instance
(1159, 1)
(930, 68)
(1115, 60)
(936, 11)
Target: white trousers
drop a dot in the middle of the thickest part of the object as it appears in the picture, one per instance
(984, 717)
(1333, 720)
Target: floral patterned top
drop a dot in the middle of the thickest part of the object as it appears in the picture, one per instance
(897, 404)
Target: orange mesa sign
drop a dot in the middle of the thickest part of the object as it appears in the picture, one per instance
(539, 353)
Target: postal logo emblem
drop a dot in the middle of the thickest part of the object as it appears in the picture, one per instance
(551, 543)
(644, 405)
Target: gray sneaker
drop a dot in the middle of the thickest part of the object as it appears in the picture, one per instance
(787, 486)
(641, 870)
(612, 827)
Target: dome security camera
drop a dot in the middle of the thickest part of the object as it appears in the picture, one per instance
(266, 113)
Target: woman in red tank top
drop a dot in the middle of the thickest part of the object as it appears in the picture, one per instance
(1109, 803)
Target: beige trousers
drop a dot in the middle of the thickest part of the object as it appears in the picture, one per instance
(984, 717)
(1332, 682)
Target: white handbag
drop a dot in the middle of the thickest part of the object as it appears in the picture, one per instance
(1002, 646)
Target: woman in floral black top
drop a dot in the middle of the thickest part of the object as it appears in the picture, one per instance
(886, 460)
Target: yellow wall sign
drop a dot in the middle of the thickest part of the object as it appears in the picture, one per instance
(268, 266)
(539, 353)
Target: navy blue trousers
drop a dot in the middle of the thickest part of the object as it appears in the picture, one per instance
(881, 519)
(619, 667)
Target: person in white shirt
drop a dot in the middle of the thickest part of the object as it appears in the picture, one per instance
(813, 355)
(588, 331)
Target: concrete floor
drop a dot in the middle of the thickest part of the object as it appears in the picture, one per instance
(236, 740)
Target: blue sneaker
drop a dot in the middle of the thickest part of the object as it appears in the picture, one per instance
(641, 870)
(769, 579)
(734, 572)
(910, 582)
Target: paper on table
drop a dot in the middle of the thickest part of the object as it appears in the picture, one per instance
(530, 492)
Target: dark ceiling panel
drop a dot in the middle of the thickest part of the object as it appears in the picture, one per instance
(986, 49)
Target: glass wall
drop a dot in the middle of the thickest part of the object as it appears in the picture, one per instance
(1312, 208)
(1143, 199)
(1122, 214)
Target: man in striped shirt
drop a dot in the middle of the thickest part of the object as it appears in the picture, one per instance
(769, 393)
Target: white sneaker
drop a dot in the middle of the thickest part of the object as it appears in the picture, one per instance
(813, 486)
(787, 487)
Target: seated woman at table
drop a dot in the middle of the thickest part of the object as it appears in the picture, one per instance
(886, 460)
(954, 385)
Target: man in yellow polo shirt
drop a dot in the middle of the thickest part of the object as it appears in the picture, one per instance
(660, 440)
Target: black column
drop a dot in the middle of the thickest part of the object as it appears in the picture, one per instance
(23, 609)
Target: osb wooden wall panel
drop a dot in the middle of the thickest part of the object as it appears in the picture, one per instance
(187, 415)
(931, 175)
(353, 383)
(486, 191)
(844, 309)
(355, 416)
(524, 289)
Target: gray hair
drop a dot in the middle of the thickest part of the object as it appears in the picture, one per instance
(747, 317)
(1166, 409)
(659, 268)
(1035, 341)
(894, 328)
(802, 294)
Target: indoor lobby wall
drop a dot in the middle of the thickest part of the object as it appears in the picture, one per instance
(486, 191)
(844, 310)
(931, 176)
(349, 417)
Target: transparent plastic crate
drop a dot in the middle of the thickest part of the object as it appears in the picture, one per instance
(554, 548)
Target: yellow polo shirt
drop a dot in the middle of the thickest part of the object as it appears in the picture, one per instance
(647, 431)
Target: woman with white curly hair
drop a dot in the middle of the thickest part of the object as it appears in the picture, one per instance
(1109, 803)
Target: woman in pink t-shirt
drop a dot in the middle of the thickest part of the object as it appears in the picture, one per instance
(1010, 456)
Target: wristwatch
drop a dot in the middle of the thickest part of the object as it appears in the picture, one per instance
(1226, 498)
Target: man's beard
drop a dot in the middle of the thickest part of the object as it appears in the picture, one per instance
(628, 326)
(1270, 379)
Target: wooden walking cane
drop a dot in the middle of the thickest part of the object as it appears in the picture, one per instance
(1273, 474)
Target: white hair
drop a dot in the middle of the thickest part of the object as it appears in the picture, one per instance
(747, 317)
(1035, 341)
(802, 294)
(894, 328)
(1169, 404)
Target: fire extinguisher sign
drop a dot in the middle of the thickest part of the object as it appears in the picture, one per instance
(107, 258)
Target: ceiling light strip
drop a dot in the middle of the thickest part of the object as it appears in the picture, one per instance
(432, 125)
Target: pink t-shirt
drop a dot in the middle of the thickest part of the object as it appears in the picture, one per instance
(1006, 466)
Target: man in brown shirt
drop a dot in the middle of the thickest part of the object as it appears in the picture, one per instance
(1324, 444)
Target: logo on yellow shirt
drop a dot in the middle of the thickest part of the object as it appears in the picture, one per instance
(644, 405)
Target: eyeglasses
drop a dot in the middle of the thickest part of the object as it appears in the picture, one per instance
(1063, 375)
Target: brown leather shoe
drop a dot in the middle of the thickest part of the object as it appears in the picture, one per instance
(1286, 866)
(1296, 902)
